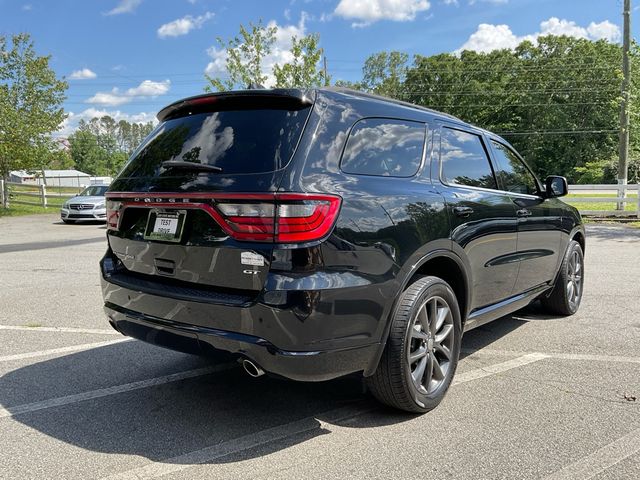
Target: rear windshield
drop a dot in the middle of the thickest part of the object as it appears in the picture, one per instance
(237, 141)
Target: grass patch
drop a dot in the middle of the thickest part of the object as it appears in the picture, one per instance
(19, 210)
(630, 206)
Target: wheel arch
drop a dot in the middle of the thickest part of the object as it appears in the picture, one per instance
(444, 264)
(578, 236)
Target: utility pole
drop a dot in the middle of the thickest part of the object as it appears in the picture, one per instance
(623, 149)
(326, 79)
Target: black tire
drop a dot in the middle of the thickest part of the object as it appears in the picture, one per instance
(393, 382)
(68, 222)
(561, 301)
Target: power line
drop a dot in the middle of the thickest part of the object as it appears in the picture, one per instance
(559, 132)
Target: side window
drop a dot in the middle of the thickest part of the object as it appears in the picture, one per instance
(514, 176)
(464, 160)
(384, 147)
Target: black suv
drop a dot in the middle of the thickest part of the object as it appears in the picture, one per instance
(317, 233)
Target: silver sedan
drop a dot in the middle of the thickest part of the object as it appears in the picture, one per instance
(87, 206)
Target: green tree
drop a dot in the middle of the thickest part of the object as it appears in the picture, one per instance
(384, 73)
(31, 100)
(246, 61)
(86, 153)
(303, 70)
(101, 146)
(245, 57)
(556, 100)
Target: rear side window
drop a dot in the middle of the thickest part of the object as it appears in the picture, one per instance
(384, 147)
(464, 160)
(238, 141)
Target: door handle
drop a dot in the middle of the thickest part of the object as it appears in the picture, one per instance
(463, 211)
(523, 212)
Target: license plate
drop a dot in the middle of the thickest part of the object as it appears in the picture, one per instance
(165, 226)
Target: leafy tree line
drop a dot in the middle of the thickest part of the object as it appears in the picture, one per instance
(557, 101)
(102, 145)
(31, 100)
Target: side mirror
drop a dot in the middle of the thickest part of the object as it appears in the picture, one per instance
(556, 186)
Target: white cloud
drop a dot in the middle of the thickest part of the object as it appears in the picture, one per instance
(124, 6)
(370, 11)
(70, 124)
(604, 30)
(148, 88)
(184, 25)
(490, 37)
(280, 53)
(82, 74)
(555, 26)
(27, 7)
(451, 2)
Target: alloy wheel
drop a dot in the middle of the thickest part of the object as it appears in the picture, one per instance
(574, 279)
(431, 341)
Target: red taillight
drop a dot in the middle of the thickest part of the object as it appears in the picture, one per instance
(113, 214)
(290, 218)
(257, 217)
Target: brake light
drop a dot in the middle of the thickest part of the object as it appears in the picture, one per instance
(290, 218)
(113, 214)
(256, 217)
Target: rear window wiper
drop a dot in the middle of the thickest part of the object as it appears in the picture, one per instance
(190, 166)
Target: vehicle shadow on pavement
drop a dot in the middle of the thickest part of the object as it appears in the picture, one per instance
(618, 233)
(172, 418)
(484, 335)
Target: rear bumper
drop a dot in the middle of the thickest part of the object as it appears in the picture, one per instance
(305, 333)
(303, 366)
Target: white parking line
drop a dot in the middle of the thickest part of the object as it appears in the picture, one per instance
(56, 351)
(176, 464)
(559, 356)
(498, 368)
(600, 460)
(60, 329)
(246, 442)
(105, 392)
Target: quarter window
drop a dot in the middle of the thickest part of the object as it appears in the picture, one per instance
(384, 147)
(464, 160)
(514, 176)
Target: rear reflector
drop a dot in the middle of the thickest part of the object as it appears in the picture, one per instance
(274, 217)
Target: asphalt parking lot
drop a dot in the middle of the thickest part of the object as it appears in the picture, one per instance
(534, 396)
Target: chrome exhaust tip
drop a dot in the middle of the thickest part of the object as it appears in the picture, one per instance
(251, 368)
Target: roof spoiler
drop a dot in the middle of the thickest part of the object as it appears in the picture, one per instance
(291, 98)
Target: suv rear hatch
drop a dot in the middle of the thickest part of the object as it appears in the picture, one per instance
(195, 209)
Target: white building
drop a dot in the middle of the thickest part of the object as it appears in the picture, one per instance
(54, 178)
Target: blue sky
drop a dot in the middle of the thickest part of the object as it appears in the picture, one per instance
(128, 58)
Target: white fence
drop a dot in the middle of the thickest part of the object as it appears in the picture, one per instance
(11, 192)
(616, 194)
(29, 194)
